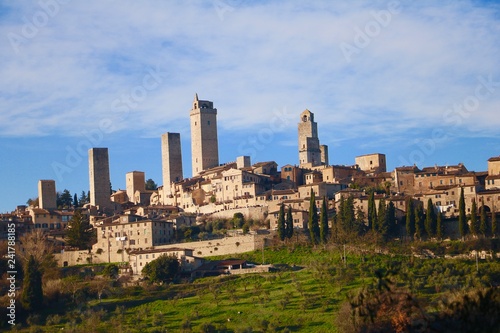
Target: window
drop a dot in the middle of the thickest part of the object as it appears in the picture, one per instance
(208, 122)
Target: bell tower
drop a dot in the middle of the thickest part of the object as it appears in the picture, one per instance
(204, 142)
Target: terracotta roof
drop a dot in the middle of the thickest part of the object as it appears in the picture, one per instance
(494, 159)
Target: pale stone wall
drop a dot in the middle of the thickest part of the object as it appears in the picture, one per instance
(223, 246)
(204, 142)
(372, 162)
(47, 194)
(99, 178)
(494, 166)
(135, 181)
(171, 158)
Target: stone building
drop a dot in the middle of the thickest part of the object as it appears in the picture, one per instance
(311, 154)
(117, 235)
(204, 142)
(47, 197)
(372, 163)
(135, 184)
(100, 184)
(171, 159)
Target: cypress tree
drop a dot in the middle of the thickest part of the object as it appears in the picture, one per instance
(462, 222)
(494, 226)
(281, 223)
(439, 226)
(372, 212)
(483, 224)
(410, 218)
(323, 224)
(349, 216)
(289, 223)
(473, 218)
(389, 227)
(313, 219)
(381, 215)
(32, 295)
(75, 201)
(419, 220)
(430, 219)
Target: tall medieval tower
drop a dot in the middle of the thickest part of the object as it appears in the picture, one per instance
(204, 143)
(47, 194)
(311, 153)
(100, 184)
(171, 160)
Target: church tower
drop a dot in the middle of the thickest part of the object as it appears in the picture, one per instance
(311, 154)
(204, 143)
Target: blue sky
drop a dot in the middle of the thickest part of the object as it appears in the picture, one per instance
(418, 81)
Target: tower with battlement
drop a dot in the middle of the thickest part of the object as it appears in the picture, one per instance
(204, 142)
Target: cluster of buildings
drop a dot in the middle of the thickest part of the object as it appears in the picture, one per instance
(136, 219)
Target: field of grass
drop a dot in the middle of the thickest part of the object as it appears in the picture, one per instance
(303, 295)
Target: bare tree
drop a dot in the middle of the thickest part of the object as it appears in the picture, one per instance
(36, 244)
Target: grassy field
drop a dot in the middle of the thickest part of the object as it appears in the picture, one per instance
(304, 295)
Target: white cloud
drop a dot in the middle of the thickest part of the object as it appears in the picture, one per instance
(252, 60)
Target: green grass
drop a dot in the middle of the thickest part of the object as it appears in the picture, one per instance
(304, 298)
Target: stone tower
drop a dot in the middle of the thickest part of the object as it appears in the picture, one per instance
(99, 179)
(171, 160)
(310, 154)
(204, 143)
(135, 181)
(47, 194)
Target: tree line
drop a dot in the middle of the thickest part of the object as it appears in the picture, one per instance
(381, 220)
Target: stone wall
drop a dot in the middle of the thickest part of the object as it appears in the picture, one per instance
(215, 247)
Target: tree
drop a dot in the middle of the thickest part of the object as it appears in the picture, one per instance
(348, 217)
(84, 199)
(382, 210)
(494, 226)
(419, 220)
(289, 223)
(238, 220)
(79, 231)
(323, 225)
(281, 223)
(313, 224)
(372, 212)
(389, 228)
(64, 199)
(430, 219)
(75, 201)
(151, 185)
(410, 218)
(163, 269)
(462, 223)
(32, 295)
(439, 225)
(36, 244)
(483, 223)
(33, 202)
(473, 218)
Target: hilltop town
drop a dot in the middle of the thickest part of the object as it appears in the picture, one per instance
(136, 225)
